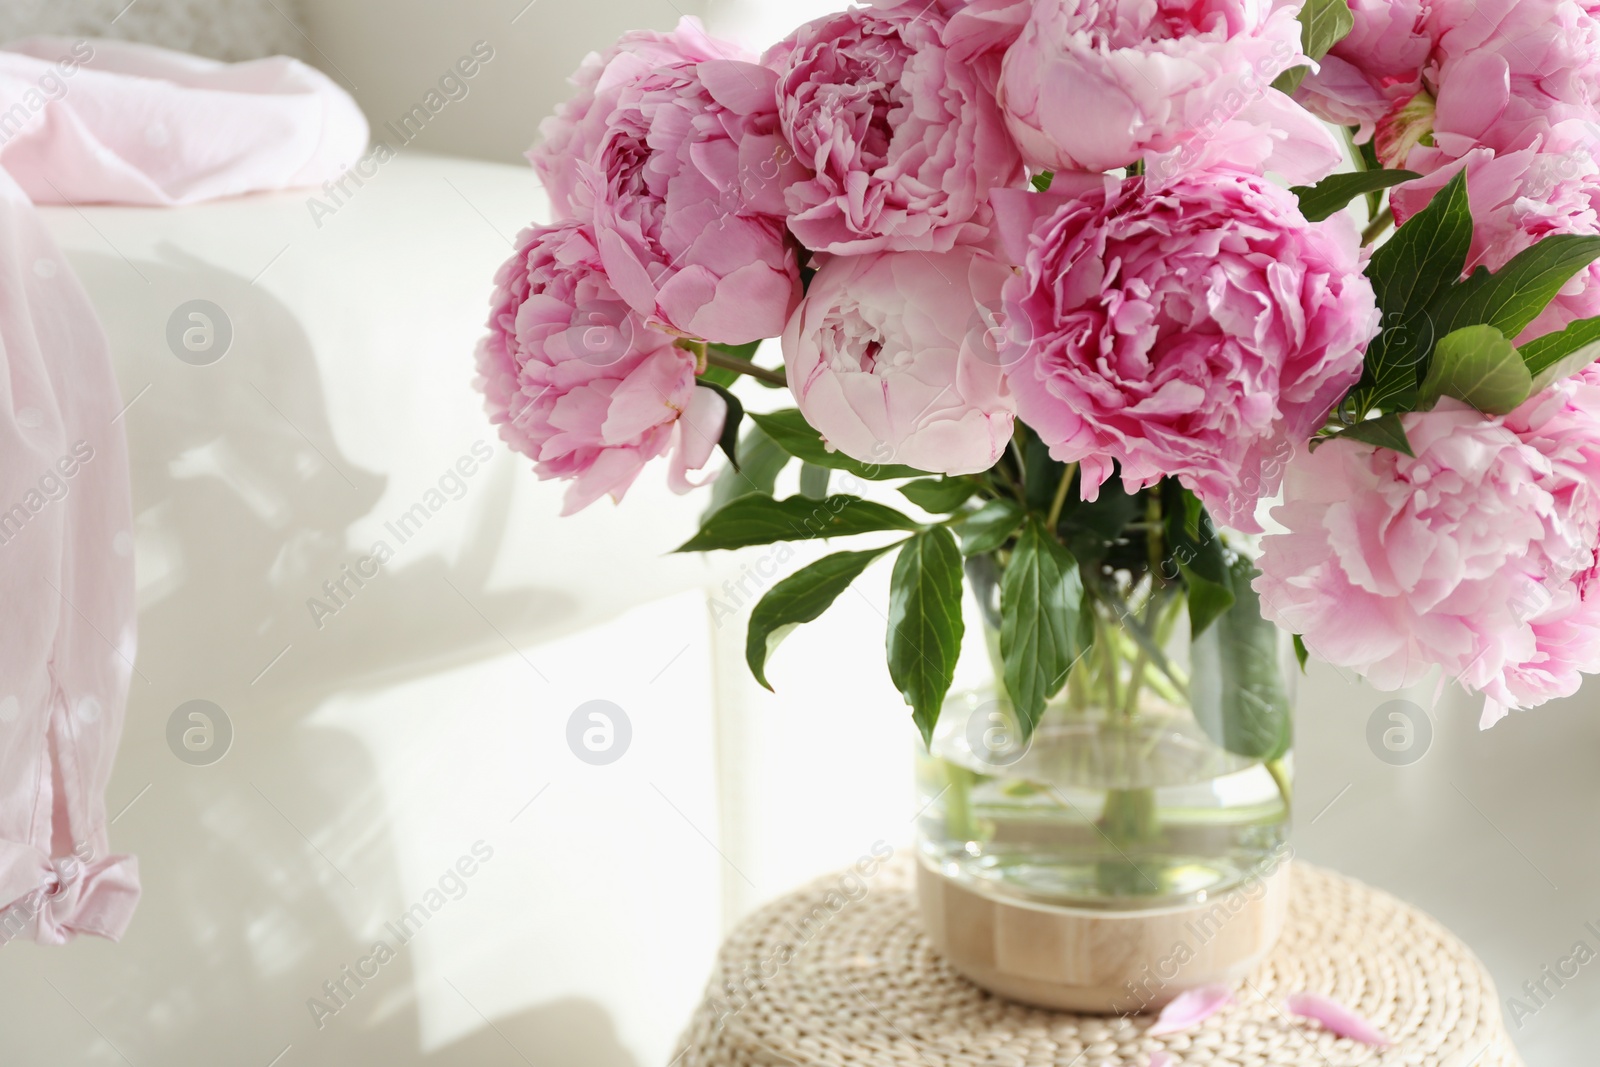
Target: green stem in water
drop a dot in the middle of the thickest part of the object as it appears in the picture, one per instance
(1280, 774)
(1108, 660)
(958, 802)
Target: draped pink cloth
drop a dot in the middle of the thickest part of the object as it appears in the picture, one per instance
(99, 122)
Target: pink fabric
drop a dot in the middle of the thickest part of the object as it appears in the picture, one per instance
(98, 121)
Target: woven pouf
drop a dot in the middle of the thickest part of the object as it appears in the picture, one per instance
(839, 975)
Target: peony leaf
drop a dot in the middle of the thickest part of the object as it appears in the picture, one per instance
(940, 496)
(925, 624)
(1041, 628)
(795, 436)
(990, 527)
(1385, 431)
(1566, 367)
(1423, 259)
(1563, 353)
(1302, 654)
(1323, 24)
(761, 520)
(1208, 600)
(800, 598)
(1334, 193)
(1513, 296)
(1337, 1018)
(1190, 1009)
(760, 462)
(1476, 365)
(1236, 684)
(1194, 552)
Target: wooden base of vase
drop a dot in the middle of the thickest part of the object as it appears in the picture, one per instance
(1101, 962)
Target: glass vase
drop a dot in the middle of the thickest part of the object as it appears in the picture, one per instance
(1154, 789)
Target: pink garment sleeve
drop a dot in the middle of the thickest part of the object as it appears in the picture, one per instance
(98, 121)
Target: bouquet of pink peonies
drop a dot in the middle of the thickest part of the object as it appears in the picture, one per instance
(1093, 280)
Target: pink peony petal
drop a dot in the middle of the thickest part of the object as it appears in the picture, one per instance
(1161, 1059)
(1191, 1009)
(1336, 1018)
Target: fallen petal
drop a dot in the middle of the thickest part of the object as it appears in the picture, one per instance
(1191, 1009)
(1336, 1017)
(1161, 1059)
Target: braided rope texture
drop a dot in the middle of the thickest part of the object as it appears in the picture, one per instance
(838, 976)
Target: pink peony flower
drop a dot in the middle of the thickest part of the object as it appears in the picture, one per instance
(1377, 65)
(1096, 84)
(1518, 199)
(1478, 556)
(1270, 134)
(1507, 71)
(889, 359)
(578, 383)
(672, 152)
(902, 143)
(1200, 328)
(982, 30)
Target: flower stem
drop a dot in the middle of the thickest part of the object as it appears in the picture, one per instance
(1060, 500)
(1280, 775)
(1378, 226)
(738, 366)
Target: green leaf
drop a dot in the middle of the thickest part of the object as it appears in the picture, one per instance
(744, 352)
(1041, 621)
(1090, 528)
(1385, 431)
(1042, 474)
(939, 496)
(1423, 259)
(814, 481)
(1563, 353)
(760, 461)
(1331, 195)
(1302, 655)
(1043, 180)
(1566, 367)
(1477, 365)
(796, 437)
(925, 624)
(718, 376)
(729, 441)
(1193, 542)
(1208, 600)
(990, 527)
(1236, 685)
(1513, 296)
(1194, 553)
(761, 520)
(800, 598)
(1323, 24)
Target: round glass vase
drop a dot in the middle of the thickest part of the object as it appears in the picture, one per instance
(1135, 846)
